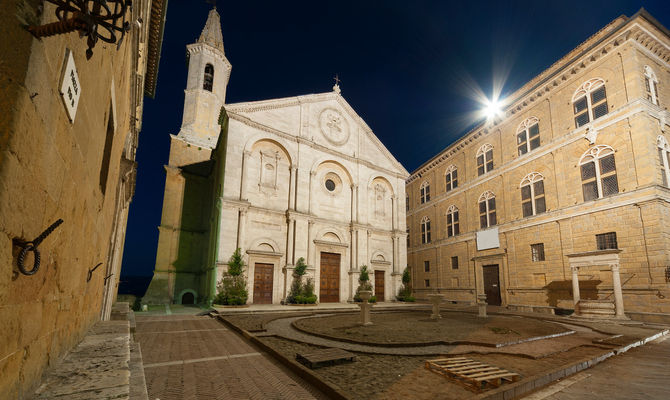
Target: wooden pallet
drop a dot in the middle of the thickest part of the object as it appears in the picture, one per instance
(472, 374)
(323, 357)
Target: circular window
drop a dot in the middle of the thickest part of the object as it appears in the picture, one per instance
(330, 185)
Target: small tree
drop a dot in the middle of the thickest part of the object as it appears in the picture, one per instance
(232, 288)
(405, 293)
(301, 293)
(364, 284)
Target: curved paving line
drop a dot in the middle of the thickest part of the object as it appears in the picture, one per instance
(284, 328)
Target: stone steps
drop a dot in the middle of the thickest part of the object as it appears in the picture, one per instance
(103, 366)
(597, 308)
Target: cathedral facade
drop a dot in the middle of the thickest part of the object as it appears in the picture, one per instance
(280, 179)
(562, 201)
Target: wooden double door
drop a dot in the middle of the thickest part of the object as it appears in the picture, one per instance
(263, 277)
(329, 290)
(379, 285)
(492, 284)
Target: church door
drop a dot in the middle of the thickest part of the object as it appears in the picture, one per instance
(379, 285)
(329, 291)
(263, 283)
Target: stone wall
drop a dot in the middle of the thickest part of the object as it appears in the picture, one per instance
(52, 168)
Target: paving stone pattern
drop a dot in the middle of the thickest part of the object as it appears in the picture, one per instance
(231, 369)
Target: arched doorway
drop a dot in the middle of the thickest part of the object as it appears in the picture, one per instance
(188, 298)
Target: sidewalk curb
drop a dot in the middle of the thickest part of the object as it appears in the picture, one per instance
(329, 390)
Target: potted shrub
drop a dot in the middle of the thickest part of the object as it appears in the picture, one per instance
(232, 288)
(301, 293)
(364, 285)
(405, 293)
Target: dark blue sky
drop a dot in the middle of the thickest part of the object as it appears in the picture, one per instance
(406, 67)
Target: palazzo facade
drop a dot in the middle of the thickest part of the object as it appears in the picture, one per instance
(570, 181)
(280, 179)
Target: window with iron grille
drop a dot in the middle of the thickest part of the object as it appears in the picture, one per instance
(664, 158)
(537, 252)
(605, 241)
(407, 237)
(484, 159)
(426, 266)
(598, 172)
(528, 135)
(209, 78)
(451, 178)
(425, 192)
(487, 210)
(589, 102)
(651, 85)
(407, 203)
(453, 225)
(532, 194)
(427, 282)
(454, 262)
(425, 230)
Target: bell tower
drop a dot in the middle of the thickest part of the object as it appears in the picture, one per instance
(205, 94)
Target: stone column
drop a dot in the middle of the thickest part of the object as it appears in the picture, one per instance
(241, 228)
(243, 180)
(310, 242)
(575, 287)
(618, 295)
(311, 189)
(354, 218)
(289, 240)
(394, 212)
(291, 188)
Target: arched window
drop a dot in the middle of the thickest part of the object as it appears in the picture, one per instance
(453, 228)
(451, 177)
(598, 171)
(664, 157)
(484, 159)
(651, 84)
(589, 101)
(532, 194)
(487, 209)
(425, 230)
(528, 135)
(425, 192)
(209, 77)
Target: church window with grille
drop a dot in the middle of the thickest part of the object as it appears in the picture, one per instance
(598, 173)
(532, 194)
(484, 159)
(589, 102)
(651, 85)
(537, 252)
(453, 227)
(664, 158)
(451, 178)
(209, 77)
(487, 210)
(425, 230)
(425, 192)
(528, 135)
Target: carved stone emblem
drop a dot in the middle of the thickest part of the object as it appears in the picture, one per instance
(334, 126)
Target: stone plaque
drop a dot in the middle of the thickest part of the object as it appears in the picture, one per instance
(70, 89)
(334, 126)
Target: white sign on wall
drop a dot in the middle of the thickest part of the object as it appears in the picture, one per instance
(70, 90)
(488, 239)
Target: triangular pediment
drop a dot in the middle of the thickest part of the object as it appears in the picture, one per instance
(326, 119)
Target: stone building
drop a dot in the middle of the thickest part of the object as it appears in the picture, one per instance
(280, 179)
(562, 197)
(68, 135)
